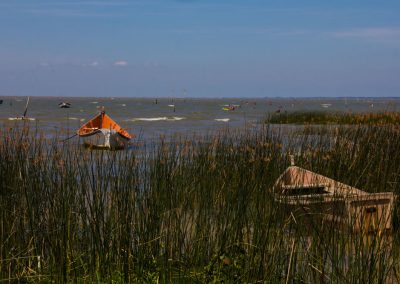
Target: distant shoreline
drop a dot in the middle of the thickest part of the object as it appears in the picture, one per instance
(208, 98)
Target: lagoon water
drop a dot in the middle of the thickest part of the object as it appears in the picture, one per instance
(150, 118)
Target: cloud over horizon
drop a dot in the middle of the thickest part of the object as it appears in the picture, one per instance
(121, 63)
(390, 33)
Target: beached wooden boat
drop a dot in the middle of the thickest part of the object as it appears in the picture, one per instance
(313, 195)
(103, 133)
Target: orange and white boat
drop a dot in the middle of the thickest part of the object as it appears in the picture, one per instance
(102, 132)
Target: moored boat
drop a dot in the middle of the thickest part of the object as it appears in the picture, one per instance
(64, 105)
(103, 133)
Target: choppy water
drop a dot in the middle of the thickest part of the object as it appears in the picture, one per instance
(151, 118)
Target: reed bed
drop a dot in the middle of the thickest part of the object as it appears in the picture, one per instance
(194, 209)
(338, 118)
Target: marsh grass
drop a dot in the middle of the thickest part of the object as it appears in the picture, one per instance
(197, 210)
(338, 118)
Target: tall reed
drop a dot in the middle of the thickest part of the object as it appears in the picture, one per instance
(194, 209)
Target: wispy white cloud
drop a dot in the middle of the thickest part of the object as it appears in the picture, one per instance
(67, 3)
(91, 64)
(152, 64)
(62, 12)
(121, 63)
(245, 31)
(78, 8)
(392, 33)
(92, 3)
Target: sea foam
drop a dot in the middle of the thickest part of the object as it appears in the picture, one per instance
(163, 118)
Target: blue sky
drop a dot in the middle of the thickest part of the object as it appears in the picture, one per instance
(219, 48)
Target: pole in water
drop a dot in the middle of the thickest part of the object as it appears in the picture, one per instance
(26, 108)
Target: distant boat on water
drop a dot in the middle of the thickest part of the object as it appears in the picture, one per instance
(230, 107)
(64, 105)
(103, 133)
(23, 117)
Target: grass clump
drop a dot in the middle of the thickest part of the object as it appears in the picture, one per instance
(197, 210)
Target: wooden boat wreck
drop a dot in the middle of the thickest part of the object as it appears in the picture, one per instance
(103, 133)
(305, 193)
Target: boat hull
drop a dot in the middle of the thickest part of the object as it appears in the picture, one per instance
(366, 214)
(101, 141)
(101, 147)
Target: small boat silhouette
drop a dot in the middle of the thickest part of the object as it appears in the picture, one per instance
(64, 105)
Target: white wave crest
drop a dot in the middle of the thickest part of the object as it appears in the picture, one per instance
(20, 118)
(163, 118)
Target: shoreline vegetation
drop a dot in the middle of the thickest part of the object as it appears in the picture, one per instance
(197, 210)
(337, 118)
